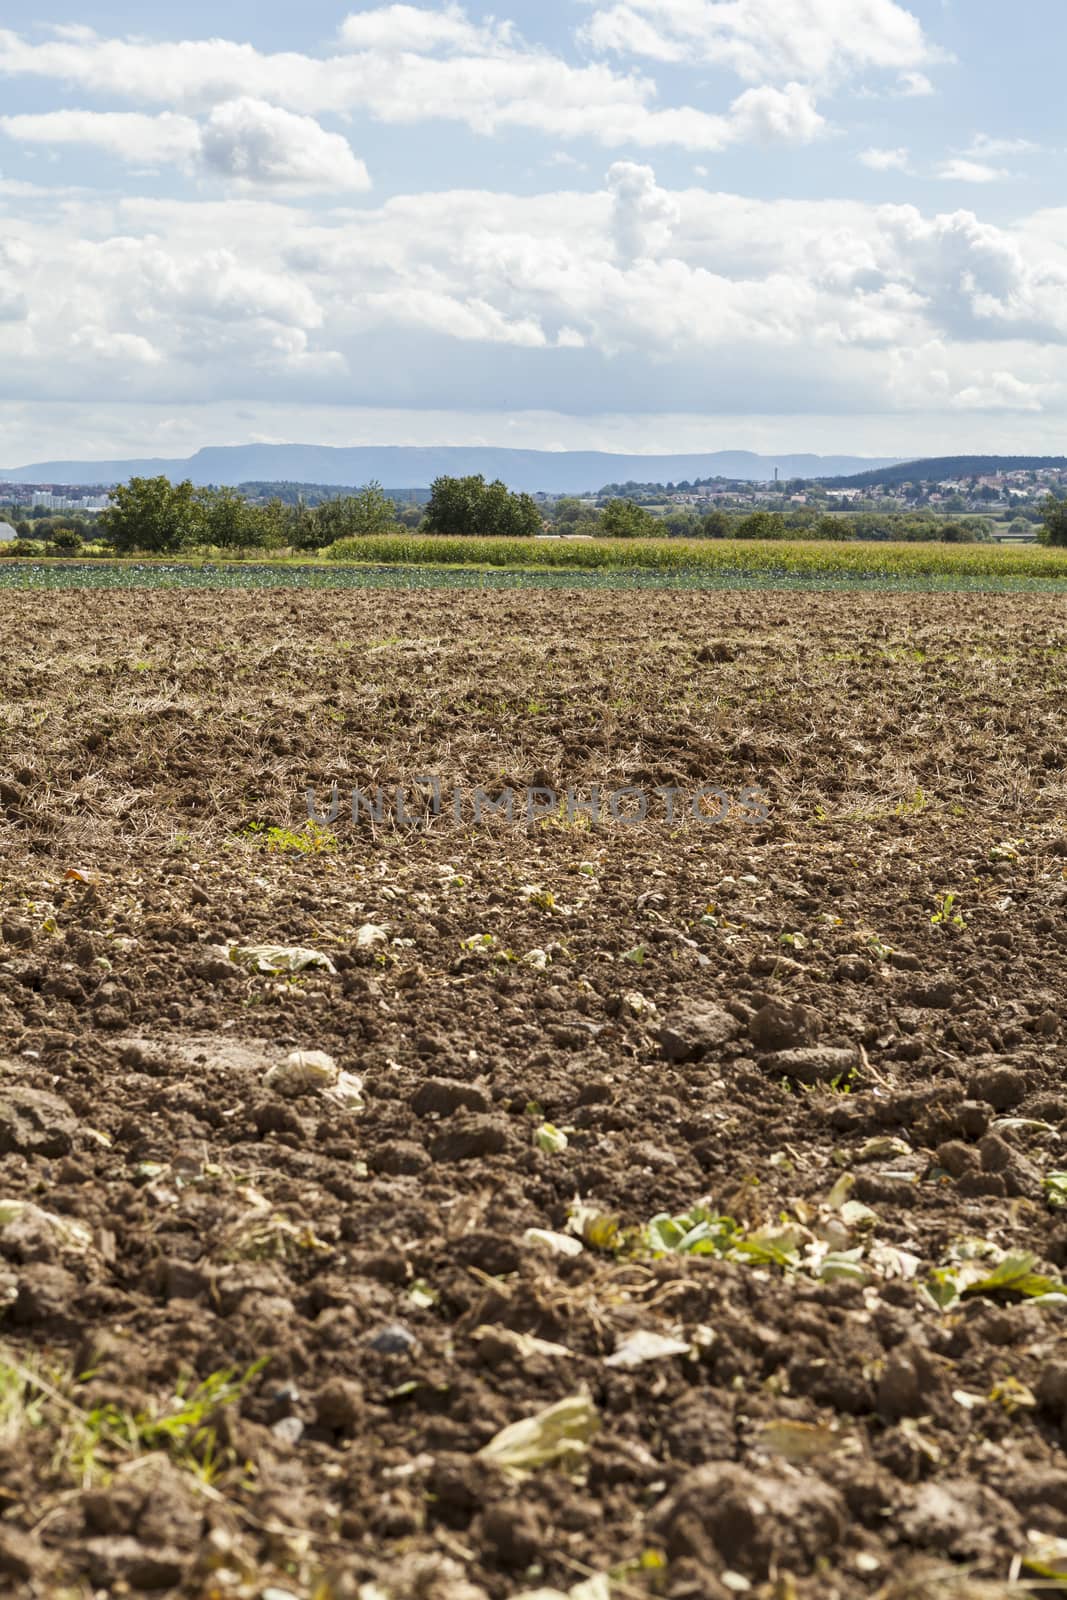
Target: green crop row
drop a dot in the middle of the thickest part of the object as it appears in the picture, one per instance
(801, 558)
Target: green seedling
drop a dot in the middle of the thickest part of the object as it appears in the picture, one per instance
(946, 915)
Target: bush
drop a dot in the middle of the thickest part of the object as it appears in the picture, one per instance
(65, 541)
(1054, 528)
(22, 547)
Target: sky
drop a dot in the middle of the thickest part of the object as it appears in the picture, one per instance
(662, 225)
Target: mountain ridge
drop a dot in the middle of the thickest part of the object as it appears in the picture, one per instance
(415, 466)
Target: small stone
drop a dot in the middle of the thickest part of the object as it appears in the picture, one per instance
(339, 1405)
(982, 1186)
(494, 1253)
(780, 1027)
(289, 1429)
(441, 1096)
(47, 1294)
(469, 1139)
(399, 1158)
(511, 1532)
(109, 1017)
(937, 996)
(812, 1064)
(903, 1389)
(995, 1154)
(1003, 1087)
(973, 1118)
(1020, 1175)
(393, 1340)
(956, 1158)
(1052, 1389)
(691, 1032)
(34, 1123)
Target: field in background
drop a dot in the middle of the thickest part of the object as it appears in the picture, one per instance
(417, 562)
(802, 558)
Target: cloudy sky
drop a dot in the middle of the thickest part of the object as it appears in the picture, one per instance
(635, 224)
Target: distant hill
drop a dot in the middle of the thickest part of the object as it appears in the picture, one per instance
(550, 471)
(938, 468)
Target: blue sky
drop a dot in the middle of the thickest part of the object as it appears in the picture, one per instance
(664, 224)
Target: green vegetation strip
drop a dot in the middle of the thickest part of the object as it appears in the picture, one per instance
(800, 558)
(416, 563)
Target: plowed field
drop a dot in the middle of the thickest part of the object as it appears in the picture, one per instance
(730, 1145)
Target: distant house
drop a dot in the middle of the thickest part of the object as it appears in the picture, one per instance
(7, 531)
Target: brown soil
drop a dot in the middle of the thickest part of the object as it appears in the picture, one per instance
(723, 1015)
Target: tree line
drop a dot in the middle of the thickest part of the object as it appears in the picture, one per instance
(156, 516)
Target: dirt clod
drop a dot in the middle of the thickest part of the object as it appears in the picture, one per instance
(34, 1123)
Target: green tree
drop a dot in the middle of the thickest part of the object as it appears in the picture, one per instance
(153, 514)
(464, 507)
(1054, 528)
(762, 525)
(273, 524)
(567, 511)
(622, 519)
(716, 525)
(354, 516)
(226, 518)
(454, 506)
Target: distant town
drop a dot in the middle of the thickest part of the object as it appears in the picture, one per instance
(1019, 492)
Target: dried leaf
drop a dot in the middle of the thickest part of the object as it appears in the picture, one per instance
(552, 1140)
(637, 1348)
(301, 1071)
(799, 1441)
(561, 1244)
(554, 1436)
(524, 1344)
(279, 958)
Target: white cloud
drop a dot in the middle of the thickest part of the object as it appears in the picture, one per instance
(814, 40)
(787, 115)
(983, 145)
(501, 84)
(404, 27)
(960, 170)
(999, 391)
(574, 299)
(914, 85)
(136, 139)
(115, 349)
(246, 141)
(13, 303)
(643, 215)
(886, 160)
(980, 281)
(253, 142)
